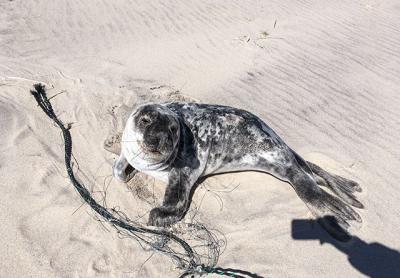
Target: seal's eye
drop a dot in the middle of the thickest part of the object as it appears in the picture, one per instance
(144, 121)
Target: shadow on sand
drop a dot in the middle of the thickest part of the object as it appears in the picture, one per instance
(371, 259)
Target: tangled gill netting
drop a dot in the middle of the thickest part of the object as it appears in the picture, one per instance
(198, 258)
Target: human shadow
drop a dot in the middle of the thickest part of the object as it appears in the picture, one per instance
(371, 259)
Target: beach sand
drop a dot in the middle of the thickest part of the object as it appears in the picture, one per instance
(325, 76)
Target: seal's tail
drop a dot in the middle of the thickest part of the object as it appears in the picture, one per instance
(334, 214)
(342, 187)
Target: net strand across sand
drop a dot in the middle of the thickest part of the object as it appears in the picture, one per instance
(185, 257)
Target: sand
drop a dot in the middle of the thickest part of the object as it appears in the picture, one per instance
(325, 76)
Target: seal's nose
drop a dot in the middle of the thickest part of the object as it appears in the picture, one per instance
(152, 141)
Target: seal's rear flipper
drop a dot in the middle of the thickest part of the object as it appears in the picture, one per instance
(334, 215)
(342, 187)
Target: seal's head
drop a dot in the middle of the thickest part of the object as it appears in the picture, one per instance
(150, 137)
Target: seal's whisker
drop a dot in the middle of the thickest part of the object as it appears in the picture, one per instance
(129, 141)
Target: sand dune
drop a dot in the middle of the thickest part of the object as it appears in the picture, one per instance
(324, 75)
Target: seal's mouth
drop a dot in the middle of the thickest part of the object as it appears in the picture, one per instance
(161, 145)
(155, 152)
(151, 153)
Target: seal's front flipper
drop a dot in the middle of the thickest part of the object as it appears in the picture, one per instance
(334, 215)
(122, 170)
(176, 198)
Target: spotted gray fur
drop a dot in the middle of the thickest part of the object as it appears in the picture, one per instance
(181, 143)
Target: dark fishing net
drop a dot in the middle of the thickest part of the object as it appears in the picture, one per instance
(199, 258)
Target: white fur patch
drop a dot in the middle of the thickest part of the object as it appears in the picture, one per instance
(131, 149)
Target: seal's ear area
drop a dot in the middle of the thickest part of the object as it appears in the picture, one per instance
(173, 124)
(174, 128)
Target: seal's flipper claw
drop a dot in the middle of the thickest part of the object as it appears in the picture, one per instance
(122, 170)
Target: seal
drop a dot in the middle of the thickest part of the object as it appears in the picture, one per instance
(182, 143)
